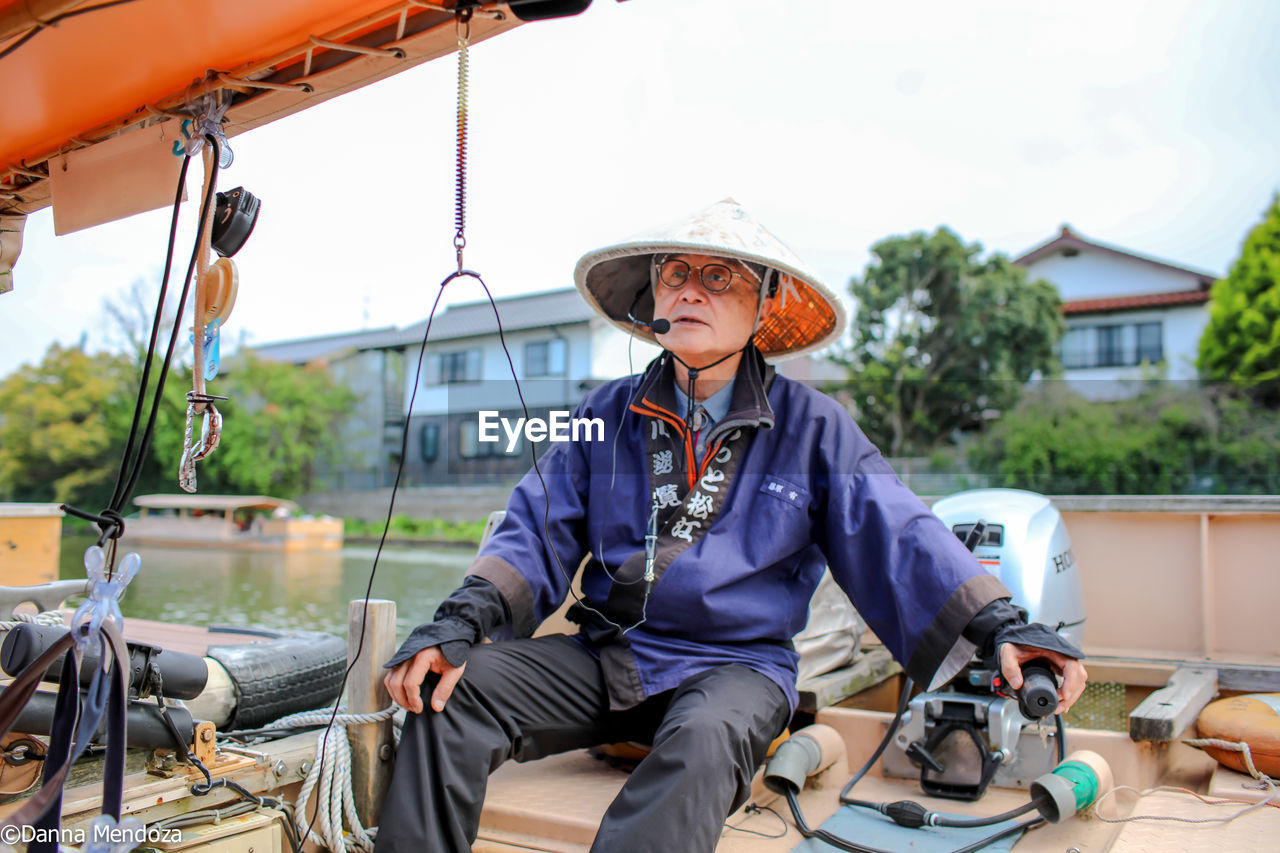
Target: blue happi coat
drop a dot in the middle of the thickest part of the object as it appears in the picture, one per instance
(789, 485)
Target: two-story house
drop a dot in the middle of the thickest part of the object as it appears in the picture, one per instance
(557, 347)
(375, 374)
(1128, 316)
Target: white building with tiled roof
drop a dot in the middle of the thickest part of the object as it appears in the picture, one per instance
(1128, 316)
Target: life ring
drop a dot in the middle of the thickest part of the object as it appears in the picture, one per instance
(1254, 719)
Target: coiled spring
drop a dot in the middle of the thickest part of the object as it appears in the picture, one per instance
(460, 203)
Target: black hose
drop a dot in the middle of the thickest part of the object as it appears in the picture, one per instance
(903, 698)
(853, 847)
(942, 820)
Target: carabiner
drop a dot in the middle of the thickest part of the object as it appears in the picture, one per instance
(210, 437)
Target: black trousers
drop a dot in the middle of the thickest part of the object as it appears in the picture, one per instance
(531, 698)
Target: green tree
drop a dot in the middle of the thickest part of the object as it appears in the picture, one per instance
(66, 421)
(1241, 344)
(941, 338)
(1170, 439)
(57, 441)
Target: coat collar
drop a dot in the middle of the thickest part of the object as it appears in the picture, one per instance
(749, 406)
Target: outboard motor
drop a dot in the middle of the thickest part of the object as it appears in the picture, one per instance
(966, 736)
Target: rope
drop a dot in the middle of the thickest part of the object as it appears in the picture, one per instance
(48, 617)
(334, 799)
(242, 83)
(1267, 781)
(303, 719)
(202, 266)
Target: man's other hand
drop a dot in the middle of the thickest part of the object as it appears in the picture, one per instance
(1074, 676)
(404, 682)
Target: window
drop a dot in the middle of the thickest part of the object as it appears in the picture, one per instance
(1112, 345)
(448, 368)
(1150, 343)
(1077, 347)
(471, 447)
(469, 444)
(544, 358)
(430, 441)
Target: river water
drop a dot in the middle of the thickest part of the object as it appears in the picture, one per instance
(206, 586)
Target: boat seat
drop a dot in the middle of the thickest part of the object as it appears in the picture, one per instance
(557, 803)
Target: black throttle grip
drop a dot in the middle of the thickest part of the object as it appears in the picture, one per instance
(1038, 695)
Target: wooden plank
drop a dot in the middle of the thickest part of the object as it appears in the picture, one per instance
(1249, 679)
(1134, 673)
(869, 669)
(1166, 713)
(371, 743)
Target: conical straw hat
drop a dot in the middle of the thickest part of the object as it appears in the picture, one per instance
(807, 316)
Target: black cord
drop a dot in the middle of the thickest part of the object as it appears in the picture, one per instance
(386, 526)
(118, 494)
(395, 487)
(45, 24)
(753, 809)
(110, 521)
(903, 698)
(177, 324)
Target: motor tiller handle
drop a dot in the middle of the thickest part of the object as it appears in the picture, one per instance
(1038, 695)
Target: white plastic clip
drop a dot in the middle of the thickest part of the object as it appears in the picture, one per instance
(103, 603)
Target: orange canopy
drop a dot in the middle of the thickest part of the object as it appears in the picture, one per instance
(103, 67)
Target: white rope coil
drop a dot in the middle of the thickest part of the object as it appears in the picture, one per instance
(321, 718)
(334, 798)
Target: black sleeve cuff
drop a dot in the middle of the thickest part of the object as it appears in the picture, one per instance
(453, 638)
(1002, 622)
(468, 615)
(1038, 636)
(982, 628)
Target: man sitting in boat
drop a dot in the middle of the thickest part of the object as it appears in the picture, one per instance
(718, 496)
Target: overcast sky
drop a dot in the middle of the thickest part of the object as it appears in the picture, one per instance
(1150, 125)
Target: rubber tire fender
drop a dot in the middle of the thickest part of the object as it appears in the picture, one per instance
(288, 672)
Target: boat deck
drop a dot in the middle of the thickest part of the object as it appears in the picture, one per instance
(555, 804)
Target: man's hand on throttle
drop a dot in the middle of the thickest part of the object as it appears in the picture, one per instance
(1073, 673)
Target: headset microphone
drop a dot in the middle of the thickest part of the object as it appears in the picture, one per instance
(659, 326)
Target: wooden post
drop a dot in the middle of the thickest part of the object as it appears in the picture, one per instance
(372, 745)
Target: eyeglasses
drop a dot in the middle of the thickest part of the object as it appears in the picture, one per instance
(715, 278)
